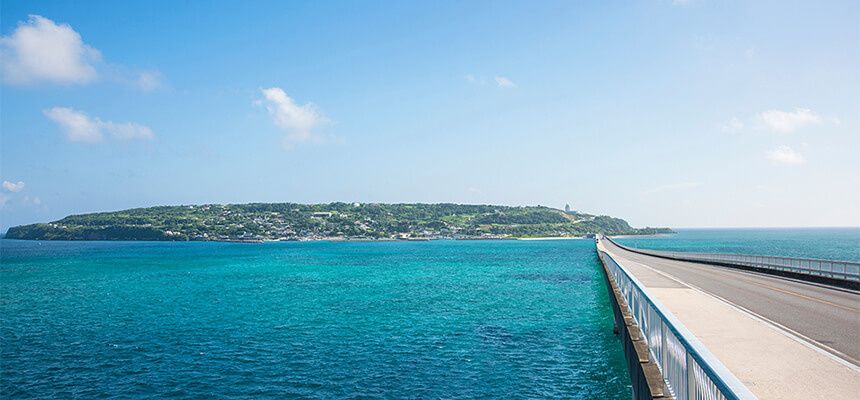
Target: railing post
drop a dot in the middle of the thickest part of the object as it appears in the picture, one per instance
(691, 378)
(664, 354)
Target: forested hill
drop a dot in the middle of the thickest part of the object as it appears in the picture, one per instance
(289, 221)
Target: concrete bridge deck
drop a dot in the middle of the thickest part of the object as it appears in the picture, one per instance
(781, 337)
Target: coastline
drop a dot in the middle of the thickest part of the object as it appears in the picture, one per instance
(341, 239)
(554, 238)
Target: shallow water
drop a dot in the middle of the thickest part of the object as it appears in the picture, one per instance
(445, 319)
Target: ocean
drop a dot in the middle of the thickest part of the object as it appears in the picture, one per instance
(316, 320)
(842, 244)
(319, 320)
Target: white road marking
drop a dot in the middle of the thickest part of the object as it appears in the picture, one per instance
(826, 351)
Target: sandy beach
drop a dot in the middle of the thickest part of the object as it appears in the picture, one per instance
(554, 238)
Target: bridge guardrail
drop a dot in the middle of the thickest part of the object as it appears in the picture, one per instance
(689, 370)
(826, 268)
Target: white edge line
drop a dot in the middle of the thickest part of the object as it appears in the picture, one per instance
(771, 324)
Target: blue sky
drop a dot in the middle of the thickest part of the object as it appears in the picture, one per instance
(665, 113)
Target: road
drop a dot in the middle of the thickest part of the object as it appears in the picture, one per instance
(826, 316)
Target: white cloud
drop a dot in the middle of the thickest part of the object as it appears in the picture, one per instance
(297, 121)
(39, 50)
(734, 125)
(505, 82)
(674, 186)
(750, 52)
(13, 187)
(36, 200)
(784, 121)
(80, 127)
(784, 155)
(680, 2)
(473, 190)
(471, 78)
(77, 126)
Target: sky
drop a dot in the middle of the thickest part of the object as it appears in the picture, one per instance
(696, 113)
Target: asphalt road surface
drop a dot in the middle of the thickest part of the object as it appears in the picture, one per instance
(825, 315)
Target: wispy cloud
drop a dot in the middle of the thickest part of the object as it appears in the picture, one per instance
(784, 155)
(786, 121)
(475, 80)
(147, 80)
(80, 127)
(501, 81)
(18, 201)
(505, 82)
(750, 52)
(734, 125)
(13, 187)
(298, 121)
(40, 51)
(674, 186)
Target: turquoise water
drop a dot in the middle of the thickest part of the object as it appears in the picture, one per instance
(841, 244)
(445, 319)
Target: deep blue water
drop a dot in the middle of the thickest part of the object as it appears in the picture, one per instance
(841, 244)
(457, 320)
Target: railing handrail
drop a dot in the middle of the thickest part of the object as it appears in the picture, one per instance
(729, 386)
(751, 261)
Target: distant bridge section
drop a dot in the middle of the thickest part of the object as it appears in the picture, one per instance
(840, 273)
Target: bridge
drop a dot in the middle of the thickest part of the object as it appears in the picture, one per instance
(698, 326)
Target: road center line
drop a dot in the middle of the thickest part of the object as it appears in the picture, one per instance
(826, 351)
(771, 288)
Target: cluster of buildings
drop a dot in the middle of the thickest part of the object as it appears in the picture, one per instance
(320, 225)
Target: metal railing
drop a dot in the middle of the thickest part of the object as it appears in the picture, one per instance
(832, 269)
(689, 370)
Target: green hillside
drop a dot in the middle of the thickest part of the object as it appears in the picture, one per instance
(271, 221)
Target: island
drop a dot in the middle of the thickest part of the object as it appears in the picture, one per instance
(257, 222)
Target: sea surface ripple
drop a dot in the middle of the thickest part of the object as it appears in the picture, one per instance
(444, 319)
